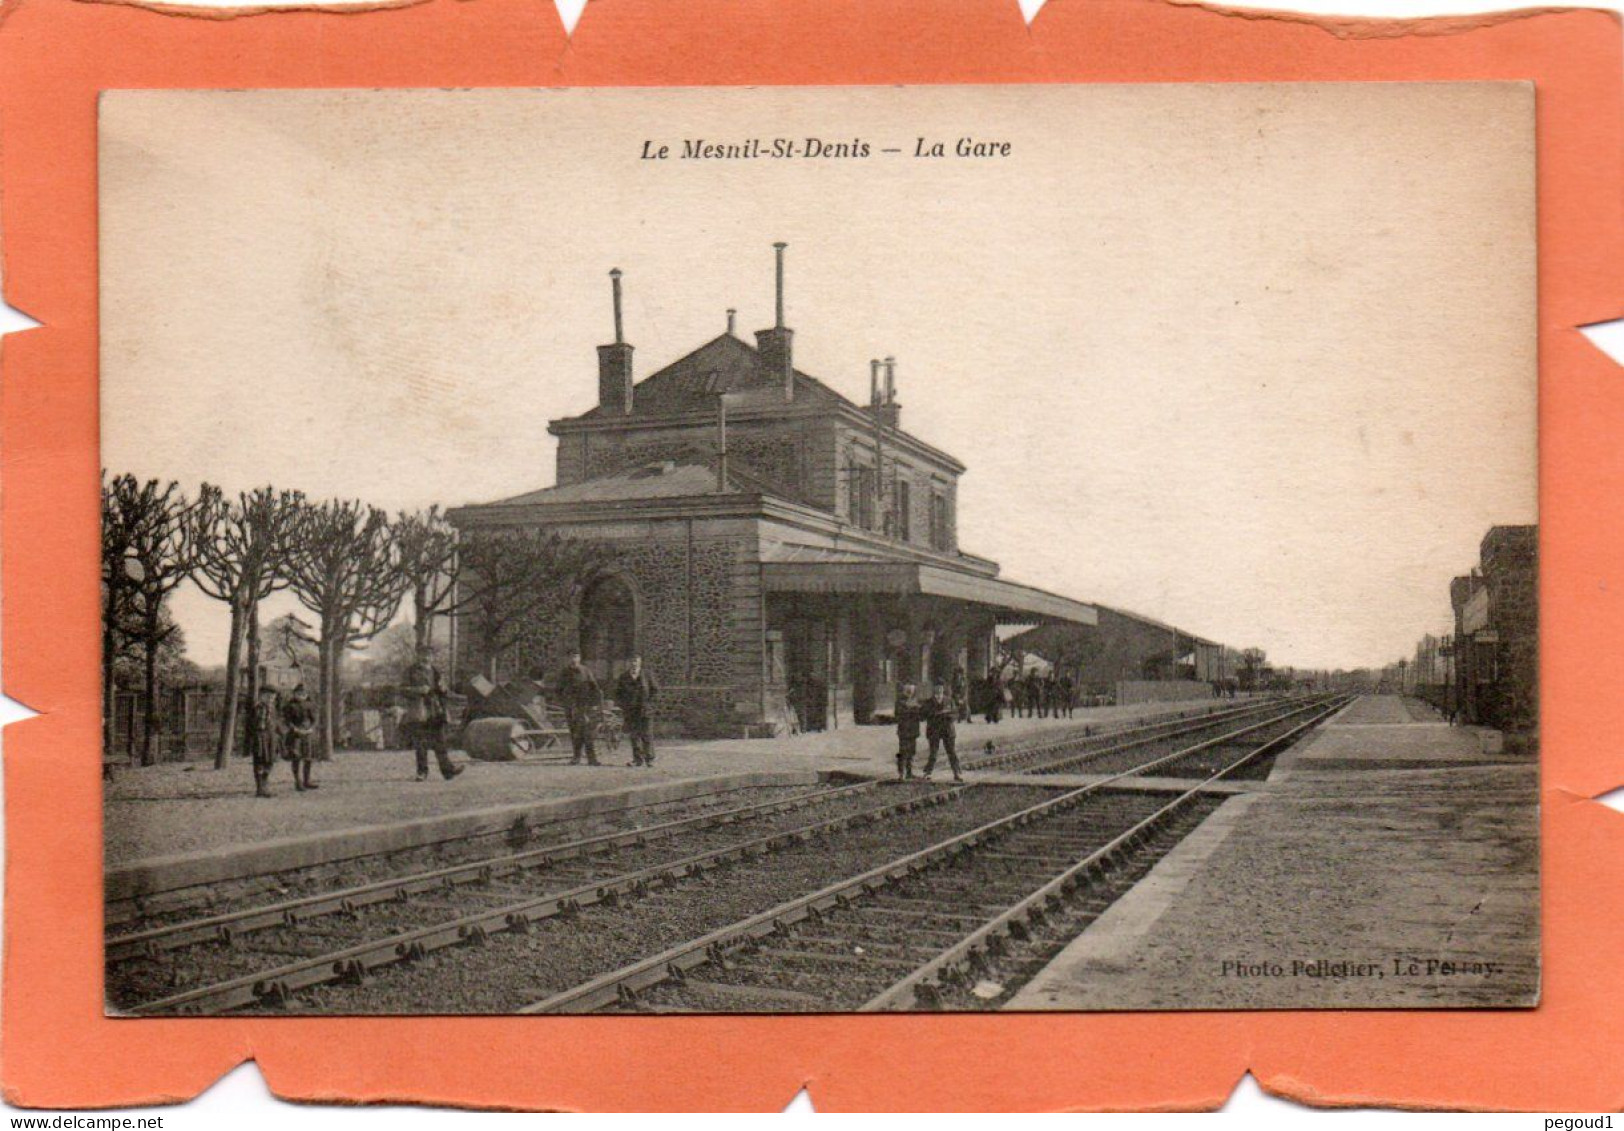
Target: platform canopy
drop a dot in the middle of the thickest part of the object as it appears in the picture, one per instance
(908, 579)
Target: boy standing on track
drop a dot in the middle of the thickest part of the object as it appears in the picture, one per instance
(940, 732)
(907, 731)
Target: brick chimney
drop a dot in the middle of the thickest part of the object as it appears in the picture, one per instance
(887, 408)
(615, 364)
(776, 345)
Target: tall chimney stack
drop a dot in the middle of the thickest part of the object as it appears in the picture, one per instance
(886, 408)
(615, 363)
(779, 248)
(732, 315)
(874, 383)
(776, 345)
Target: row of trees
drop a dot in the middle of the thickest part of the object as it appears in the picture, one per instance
(350, 564)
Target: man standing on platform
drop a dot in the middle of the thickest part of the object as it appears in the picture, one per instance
(961, 694)
(636, 691)
(995, 695)
(581, 696)
(263, 744)
(299, 722)
(1034, 695)
(426, 717)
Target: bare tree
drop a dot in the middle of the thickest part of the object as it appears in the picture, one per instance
(344, 566)
(428, 557)
(117, 585)
(147, 552)
(242, 547)
(510, 577)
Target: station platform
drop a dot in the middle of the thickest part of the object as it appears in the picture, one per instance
(1389, 861)
(186, 815)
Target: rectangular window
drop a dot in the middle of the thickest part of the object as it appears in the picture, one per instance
(938, 521)
(904, 511)
(862, 486)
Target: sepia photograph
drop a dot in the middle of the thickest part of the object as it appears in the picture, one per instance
(819, 550)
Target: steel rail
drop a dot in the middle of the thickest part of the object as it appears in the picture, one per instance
(226, 926)
(1077, 746)
(1075, 738)
(352, 963)
(923, 988)
(1283, 711)
(624, 983)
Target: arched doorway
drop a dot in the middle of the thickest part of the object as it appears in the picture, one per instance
(608, 626)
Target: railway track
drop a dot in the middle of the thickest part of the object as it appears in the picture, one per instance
(569, 858)
(340, 936)
(331, 944)
(935, 928)
(1072, 749)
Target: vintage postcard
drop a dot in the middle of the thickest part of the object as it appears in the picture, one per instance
(819, 550)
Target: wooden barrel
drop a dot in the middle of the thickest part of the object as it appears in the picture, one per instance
(493, 740)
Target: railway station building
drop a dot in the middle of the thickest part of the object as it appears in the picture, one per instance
(783, 555)
(1496, 644)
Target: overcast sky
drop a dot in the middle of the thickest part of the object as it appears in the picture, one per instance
(1257, 360)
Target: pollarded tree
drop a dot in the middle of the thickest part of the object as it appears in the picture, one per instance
(344, 566)
(242, 549)
(508, 578)
(117, 585)
(148, 551)
(428, 558)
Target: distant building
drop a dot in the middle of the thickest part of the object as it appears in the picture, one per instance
(783, 552)
(1496, 643)
(1123, 647)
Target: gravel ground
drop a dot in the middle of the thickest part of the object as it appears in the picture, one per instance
(179, 808)
(1345, 858)
(513, 970)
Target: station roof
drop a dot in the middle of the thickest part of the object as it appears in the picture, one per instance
(725, 364)
(666, 479)
(849, 575)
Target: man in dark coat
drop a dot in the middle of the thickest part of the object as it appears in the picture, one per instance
(908, 715)
(995, 696)
(1068, 694)
(636, 691)
(299, 723)
(961, 694)
(1034, 695)
(426, 718)
(581, 697)
(264, 743)
(940, 731)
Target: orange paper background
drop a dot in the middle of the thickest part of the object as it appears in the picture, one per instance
(58, 1049)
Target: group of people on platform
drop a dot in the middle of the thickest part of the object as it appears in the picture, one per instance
(635, 691)
(279, 729)
(1033, 695)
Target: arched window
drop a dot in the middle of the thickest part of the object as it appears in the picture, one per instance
(608, 626)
